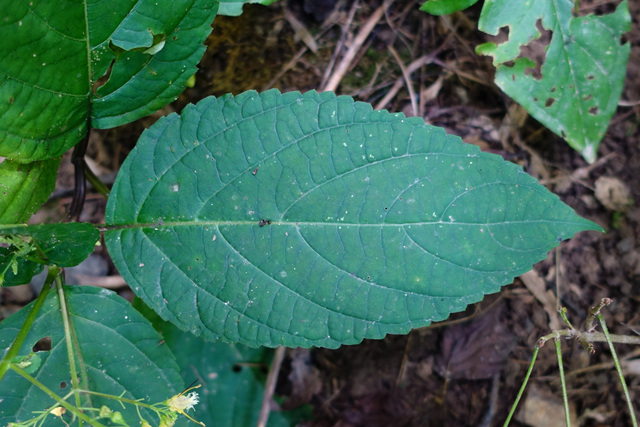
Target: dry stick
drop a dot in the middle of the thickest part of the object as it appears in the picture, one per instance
(407, 79)
(423, 60)
(270, 386)
(340, 44)
(346, 61)
(411, 68)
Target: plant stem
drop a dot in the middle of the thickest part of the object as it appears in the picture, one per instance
(64, 311)
(26, 326)
(55, 397)
(619, 369)
(524, 384)
(565, 400)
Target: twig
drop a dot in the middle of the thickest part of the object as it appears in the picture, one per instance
(345, 63)
(415, 65)
(407, 79)
(270, 386)
(340, 44)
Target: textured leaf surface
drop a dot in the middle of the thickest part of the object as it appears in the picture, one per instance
(50, 64)
(445, 7)
(24, 188)
(65, 244)
(583, 70)
(312, 220)
(231, 393)
(141, 83)
(44, 79)
(118, 346)
(234, 7)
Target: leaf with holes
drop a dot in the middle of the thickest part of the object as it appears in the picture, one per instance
(310, 219)
(54, 53)
(119, 354)
(583, 67)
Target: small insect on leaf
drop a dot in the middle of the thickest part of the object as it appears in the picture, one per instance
(264, 222)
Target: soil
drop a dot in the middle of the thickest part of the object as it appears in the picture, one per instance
(466, 371)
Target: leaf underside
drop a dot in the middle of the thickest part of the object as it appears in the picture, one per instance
(119, 350)
(308, 219)
(583, 72)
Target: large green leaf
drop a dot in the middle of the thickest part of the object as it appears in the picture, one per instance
(44, 78)
(24, 187)
(65, 244)
(583, 70)
(230, 394)
(119, 349)
(141, 80)
(55, 51)
(305, 219)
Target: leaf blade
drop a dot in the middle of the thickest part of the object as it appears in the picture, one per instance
(117, 344)
(366, 232)
(583, 71)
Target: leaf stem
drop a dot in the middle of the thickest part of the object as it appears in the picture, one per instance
(26, 326)
(55, 397)
(619, 369)
(524, 384)
(66, 323)
(565, 399)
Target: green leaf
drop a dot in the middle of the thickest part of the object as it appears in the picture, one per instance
(44, 79)
(446, 7)
(305, 219)
(24, 187)
(234, 7)
(231, 394)
(51, 64)
(15, 270)
(64, 245)
(155, 49)
(583, 70)
(118, 347)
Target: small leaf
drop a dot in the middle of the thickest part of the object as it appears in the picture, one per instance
(119, 349)
(15, 270)
(234, 7)
(231, 394)
(64, 245)
(24, 188)
(446, 7)
(583, 70)
(310, 219)
(29, 363)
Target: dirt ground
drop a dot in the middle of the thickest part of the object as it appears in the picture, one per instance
(466, 371)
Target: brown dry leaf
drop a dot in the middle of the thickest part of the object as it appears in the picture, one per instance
(613, 194)
(477, 349)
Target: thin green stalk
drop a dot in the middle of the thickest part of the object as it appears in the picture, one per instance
(95, 181)
(55, 397)
(64, 311)
(619, 369)
(26, 326)
(565, 400)
(524, 384)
